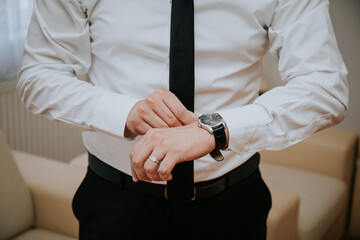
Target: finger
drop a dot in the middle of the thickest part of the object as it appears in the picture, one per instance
(152, 167)
(138, 156)
(136, 125)
(142, 128)
(139, 173)
(178, 109)
(166, 115)
(135, 178)
(194, 116)
(166, 166)
(154, 121)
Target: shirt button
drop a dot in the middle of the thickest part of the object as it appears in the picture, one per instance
(293, 139)
(247, 148)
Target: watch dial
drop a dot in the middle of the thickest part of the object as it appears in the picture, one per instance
(211, 119)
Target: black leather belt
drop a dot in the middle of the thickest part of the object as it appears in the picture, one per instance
(202, 190)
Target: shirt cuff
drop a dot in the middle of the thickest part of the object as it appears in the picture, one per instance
(111, 113)
(247, 127)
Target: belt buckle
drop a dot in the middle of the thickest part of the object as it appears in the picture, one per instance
(166, 196)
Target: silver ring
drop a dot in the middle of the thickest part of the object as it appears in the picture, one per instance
(154, 159)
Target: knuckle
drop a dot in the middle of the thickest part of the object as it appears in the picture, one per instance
(134, 122)
(172, 121)
(157, 93)
(163, 171)
(161, 91)
(150, 100)
(131, 155)
(170, 94)
(148, 168)
(163, 125)
(142, 110)
(137, 164)
(143, 128)
(180, 112)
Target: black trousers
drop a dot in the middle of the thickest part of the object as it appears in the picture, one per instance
(105, 211)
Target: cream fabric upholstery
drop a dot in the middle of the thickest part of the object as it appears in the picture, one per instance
(80, 161)
(283, 217)
(46, 214)
(321, 197)
(16, 211)
(53, 185)
(330, 152)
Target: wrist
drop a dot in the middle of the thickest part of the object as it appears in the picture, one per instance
(204, 136)
(215, 125)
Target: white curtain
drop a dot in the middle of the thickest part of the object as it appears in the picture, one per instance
(14, 20)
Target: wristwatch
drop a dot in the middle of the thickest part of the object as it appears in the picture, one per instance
(215, 124)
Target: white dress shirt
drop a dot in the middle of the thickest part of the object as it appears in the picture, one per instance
(123, 46)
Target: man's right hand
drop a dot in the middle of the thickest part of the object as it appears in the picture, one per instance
(161, 109)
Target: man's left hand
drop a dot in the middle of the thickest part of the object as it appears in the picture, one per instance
(170, 146)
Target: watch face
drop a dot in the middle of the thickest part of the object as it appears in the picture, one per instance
(212, 119)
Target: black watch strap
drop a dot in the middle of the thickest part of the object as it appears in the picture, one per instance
(216, 154)
(220, 137)
(220, 143)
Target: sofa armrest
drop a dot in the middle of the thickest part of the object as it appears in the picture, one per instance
(282, 222)
(331, 151)
(52, 185)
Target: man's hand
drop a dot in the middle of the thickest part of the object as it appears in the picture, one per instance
(170, 146)
(161, 109)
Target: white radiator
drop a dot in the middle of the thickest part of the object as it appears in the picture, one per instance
(35, 134)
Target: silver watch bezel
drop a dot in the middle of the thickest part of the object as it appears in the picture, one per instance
(210, 127)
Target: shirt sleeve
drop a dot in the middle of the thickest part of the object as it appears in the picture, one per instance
(315, 91)
(57, 50)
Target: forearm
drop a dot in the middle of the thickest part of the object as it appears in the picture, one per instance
(315, 92)
(62, 97)
(53, 56)
(282, 117)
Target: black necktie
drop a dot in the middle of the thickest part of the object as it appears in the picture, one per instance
(181, 188)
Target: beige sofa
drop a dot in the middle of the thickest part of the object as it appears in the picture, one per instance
(309, 183)
(320, 171)
(35, 196)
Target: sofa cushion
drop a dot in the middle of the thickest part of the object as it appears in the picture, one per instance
(53, 185)
(39, 234)
(283, 216)
(321, 197)
(80, 161)
(15, 201)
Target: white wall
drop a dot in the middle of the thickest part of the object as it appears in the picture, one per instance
(345, 16)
